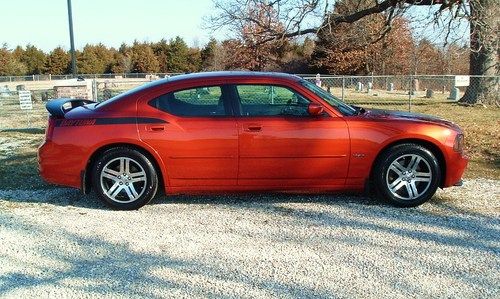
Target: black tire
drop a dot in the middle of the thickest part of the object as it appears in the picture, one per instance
(132, 187)
(404, 180)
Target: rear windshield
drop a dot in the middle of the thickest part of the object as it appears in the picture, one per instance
(130, 92)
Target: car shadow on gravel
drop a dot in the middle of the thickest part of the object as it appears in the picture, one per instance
(71, 197)
(64, 197)
(269, 197)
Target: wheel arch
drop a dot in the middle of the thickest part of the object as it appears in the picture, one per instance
(154, 158)
(425, 143)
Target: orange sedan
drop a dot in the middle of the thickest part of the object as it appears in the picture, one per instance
(244, 131)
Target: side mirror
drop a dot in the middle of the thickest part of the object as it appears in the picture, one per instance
(315, 109)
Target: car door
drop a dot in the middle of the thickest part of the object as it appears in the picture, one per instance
(199, 141)
(280, 144)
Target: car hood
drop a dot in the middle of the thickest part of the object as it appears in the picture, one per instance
(409, 116)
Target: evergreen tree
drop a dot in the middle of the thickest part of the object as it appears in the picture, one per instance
(208, 55)
(144, 59)
(161, 50)
(58, 62)
(178, 56)
(122, 63)
(122, 60)
(18, 53)
(9, 65)
(34, 59)
(95, 59)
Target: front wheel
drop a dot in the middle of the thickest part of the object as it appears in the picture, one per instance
(407, 175)
(124, 178)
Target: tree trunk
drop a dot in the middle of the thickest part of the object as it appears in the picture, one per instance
(484, 46)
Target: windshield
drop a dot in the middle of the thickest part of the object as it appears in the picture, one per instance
(337, 103)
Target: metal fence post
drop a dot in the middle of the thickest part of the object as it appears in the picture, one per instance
(94, 89)
(410, 91)
(343, 88)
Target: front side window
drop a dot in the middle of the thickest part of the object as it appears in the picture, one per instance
(201, 101)
(344, 108)
(270, 100)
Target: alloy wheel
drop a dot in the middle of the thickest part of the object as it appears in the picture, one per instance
(123, 180)
(408, 177)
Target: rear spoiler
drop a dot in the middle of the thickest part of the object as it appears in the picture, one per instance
(59, 107)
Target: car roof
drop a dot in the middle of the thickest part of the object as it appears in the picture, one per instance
(201, 76)
(228, 74)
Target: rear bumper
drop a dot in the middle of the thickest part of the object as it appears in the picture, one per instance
(54, 168)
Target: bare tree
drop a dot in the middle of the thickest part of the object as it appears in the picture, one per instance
(300, 17)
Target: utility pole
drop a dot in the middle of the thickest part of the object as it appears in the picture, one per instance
(72, 40)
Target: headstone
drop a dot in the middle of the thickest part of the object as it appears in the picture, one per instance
(390, 87)
(4, 91)
(329, 89)
(151, 77)
(25, 100)
(369, 87)
(317, 81)
(20, 87)
(454, 94)
(429, 93)
(45, 96)
(415, 85)
(359, 86)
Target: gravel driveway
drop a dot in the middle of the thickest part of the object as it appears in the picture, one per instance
(55, 243)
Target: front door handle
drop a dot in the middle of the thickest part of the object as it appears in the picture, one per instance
(155, 128)
(253, 128)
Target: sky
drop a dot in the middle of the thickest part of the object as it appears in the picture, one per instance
(44, 23)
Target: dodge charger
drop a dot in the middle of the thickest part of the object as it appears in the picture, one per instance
(245, 131)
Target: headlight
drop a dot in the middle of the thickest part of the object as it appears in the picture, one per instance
(458, 145)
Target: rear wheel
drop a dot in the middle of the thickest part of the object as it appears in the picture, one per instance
(124, 178)
(407, 175)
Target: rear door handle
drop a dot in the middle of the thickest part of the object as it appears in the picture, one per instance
(253, 128)
(155, 128)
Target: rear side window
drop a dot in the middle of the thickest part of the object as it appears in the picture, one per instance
(270, 100)
(202, 101)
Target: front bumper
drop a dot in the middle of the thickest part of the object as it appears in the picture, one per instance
(459, 183)
(455, 169)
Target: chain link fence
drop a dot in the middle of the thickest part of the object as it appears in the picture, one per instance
(35, 78)
(393, 92)
(388, 92)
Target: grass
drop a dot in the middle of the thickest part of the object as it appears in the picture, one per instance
(18, 159)
(18, 145)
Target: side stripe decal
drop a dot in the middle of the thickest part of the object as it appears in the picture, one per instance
(107, 121)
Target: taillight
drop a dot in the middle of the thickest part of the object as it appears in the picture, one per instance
(458, 145)
(50, 128)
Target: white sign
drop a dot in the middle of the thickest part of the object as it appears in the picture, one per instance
(462, 81)
(25, 100)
